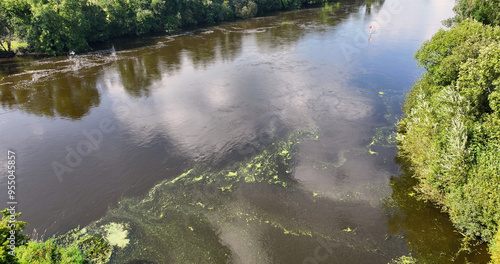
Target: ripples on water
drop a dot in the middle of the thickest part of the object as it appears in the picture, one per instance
(214, 106)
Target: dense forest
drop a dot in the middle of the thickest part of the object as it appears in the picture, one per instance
(56, 27)
(451, 126)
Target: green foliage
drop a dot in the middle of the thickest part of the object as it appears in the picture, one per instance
(484, 11)
(495, 249)
(481, 78)
(403, 260)
(268, 5)
(98, 28)
(10, 226)
(14, 16)
(73, 247)
(56, 27)
(451, 129)
(49, 252)
(42, 36)
(245, 8)
(443, 55)
(93, 248)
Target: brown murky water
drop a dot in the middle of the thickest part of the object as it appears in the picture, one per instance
(208, 110)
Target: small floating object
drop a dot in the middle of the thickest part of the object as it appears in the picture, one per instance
(71, 53)
(380, 92)
(371, 32)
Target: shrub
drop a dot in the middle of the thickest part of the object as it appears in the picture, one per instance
(451, 128)
(6, 227)
(495, 249)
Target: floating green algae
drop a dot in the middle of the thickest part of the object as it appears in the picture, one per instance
(116, 235)
(191, 218)
(384, 137)
(208, 215)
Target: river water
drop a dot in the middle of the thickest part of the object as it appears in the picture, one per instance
(188, 144)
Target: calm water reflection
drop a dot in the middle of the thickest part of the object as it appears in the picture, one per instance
(217, 98)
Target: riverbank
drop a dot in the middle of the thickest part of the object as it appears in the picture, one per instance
(451, 128)
(58, 28)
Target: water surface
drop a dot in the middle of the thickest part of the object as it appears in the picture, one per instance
(101, 137)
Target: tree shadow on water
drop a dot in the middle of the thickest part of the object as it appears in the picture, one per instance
(428, 232)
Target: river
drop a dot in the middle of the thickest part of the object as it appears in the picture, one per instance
(154, 137)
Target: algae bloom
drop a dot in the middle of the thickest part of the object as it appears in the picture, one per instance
(116, 234)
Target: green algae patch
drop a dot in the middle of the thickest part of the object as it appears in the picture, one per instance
(185, 220)
(404, 260)
(116, 235)
(232, 174)
(385, 136)
(208, 215)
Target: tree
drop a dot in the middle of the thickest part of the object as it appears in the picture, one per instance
(60, 26)
(14, 16)
(484, 11)
(98, 26)
(46, 33)
(10, 227)
(443, 55)
(451, 129)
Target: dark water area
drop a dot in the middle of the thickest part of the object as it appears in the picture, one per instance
(160, 140)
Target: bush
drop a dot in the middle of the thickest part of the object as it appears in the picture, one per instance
(49, 252)
(245, 8)
(56, 27)
(495, 249)
(484, 11)
(73, 247)
(6, 227)
(451, 129)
